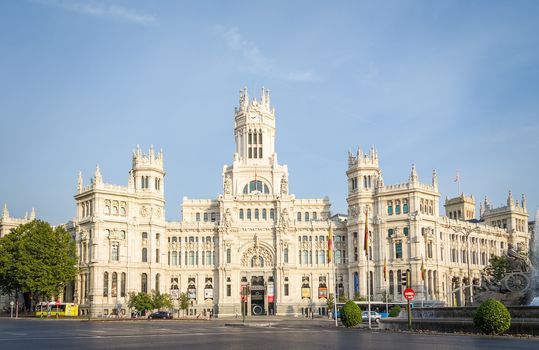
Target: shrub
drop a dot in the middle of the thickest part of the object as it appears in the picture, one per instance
(492, 317)
(350, 314)
(395, 311)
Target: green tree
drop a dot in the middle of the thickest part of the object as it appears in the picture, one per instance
(331, 303)
(184, 302)
(498, 267)
(350, 314)
(141, 302)
(37, 258)
(160, 301)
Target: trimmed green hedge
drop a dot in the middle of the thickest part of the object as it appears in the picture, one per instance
(350, 314)
(492, 317)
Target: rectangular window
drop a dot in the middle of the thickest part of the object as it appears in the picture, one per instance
(115, 252)
(286, 289)
(157, 255)
(228, 290)
(398, 250)
(299, 217)
(144, 254)
(205, 217)
(406, 231)
(228, 256)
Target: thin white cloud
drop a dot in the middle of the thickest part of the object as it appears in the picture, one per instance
(97, 9)
(255, 60)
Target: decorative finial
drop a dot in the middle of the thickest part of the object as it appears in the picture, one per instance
(413, 175)
(523, 201)
(5, 212)
(151, 153)
(97, 176)
(510, 199)
(434, 179)
(32, 214)
(79, 182)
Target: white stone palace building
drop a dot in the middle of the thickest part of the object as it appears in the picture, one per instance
(258, 238)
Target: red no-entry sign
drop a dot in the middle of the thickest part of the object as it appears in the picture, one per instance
(408, 293)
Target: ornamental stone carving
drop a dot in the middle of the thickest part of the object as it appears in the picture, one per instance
(144, 212)
(227, 222)
(228, 185)
(285, 220)
(257, 252)
(284, 185)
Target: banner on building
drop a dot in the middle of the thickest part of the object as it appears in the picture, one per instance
(174, 294)
(208, 293)
(270, 292)
(322, 293)
(305, 292)
(192, 293)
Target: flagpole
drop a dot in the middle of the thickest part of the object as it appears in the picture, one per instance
(368, 267)
(332, 261)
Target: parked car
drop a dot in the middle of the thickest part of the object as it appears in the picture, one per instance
(375, 316)
(160, 315)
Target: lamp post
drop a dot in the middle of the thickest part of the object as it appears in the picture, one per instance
(467, 231)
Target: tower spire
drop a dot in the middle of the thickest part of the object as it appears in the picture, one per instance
(79, 182)
(5, 212)
(434, 179)
(98, 179)
(510, 201)
(413, 175)
(32, 214)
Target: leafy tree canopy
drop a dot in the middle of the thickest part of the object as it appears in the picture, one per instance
(141, 301)
(498, 267)
(37, 258)
(161, 301)
(184, 301)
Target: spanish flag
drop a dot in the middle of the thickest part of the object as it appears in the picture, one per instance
(366, 241)
(330, 244)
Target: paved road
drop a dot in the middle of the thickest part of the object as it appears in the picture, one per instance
(69, 334)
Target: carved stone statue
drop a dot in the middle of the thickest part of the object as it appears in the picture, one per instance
(284, 185)
(228, 218)
(517, 261)
(285, 221)
(228, 185)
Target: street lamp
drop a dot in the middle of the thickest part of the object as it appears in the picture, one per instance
(467, 231)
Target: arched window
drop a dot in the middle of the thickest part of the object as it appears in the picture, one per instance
(122, 285)
(298, 216)
(106, 284)
(305, 258)
(248, 214)
(389, 208)
(256, 186)
(191, 258)
(397, 207)
(256, 214)
(314, 216)
(405, 208)
(114, 287)
(306, 216)
(144, 283)
(107, 209)
(285, 255)
(264, 214)
(272, 214)
(241, 214)
(174, 258)
(144, 254)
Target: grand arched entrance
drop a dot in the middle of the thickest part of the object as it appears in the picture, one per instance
(257, 281)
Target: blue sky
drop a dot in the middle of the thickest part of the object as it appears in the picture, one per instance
(447, 85)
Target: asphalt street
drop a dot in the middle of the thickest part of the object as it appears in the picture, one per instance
(218, 334)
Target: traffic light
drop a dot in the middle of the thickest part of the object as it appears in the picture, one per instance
(404, 278)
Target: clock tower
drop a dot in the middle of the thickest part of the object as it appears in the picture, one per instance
(255, 168)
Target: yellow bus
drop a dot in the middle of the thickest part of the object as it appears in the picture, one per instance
(47, 309)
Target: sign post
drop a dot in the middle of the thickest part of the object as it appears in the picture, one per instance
(409, 294)
(11, 303)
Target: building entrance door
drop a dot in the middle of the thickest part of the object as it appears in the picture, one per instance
(257, 296)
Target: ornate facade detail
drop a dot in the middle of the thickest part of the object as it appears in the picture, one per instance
(257, 256)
